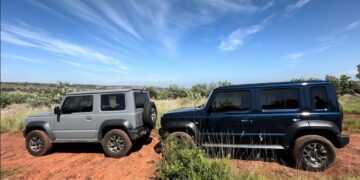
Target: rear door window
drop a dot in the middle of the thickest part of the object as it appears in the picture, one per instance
(112, 102)
(280, 99)
(319, 98)
(141, 98)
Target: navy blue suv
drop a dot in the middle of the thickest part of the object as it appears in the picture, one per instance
(302, 117)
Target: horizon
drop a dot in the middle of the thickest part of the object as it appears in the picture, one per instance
(161, 43)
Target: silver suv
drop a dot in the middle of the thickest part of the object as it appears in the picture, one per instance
(114, 118)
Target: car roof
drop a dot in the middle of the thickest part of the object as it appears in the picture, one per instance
(273, 84)
(108, 91)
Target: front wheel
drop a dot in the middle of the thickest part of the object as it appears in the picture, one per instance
(313, 153)
(116, 143)
(38, 143)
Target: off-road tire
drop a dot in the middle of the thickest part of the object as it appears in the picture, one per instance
(150, 114)
(116, 143)
(179, 135)
(38, 143)
(304, 144)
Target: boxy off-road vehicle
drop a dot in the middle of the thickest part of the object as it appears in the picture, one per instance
(304, 118)
(114, 118)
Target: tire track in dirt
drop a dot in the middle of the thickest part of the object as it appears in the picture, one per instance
(84, 161)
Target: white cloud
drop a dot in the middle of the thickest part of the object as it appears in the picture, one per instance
(6, 37)
(294, 55)
(161, 21)
(292, 8)
(353, 25)
(238, 37)
(55, 45)
(22, 58)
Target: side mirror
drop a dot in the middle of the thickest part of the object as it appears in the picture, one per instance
(57, 110)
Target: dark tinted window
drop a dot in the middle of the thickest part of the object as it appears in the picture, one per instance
(141, 99)
(231, 101)
(279, 99)
(73, 104)
(112, 102)
(319, 98)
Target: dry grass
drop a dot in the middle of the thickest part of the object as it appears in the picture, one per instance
(12, 117)
(350, 103)
(166, 105)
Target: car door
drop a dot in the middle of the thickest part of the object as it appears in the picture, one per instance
(76, 119)
(278, 108)
(228, 112)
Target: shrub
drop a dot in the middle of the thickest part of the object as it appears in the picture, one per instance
(12, 117)
(181, 160)
(39, 101)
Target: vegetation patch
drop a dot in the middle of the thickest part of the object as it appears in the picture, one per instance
(5, 174)
(12, 117)
(351, 125)
(350, 103)
(182, 160)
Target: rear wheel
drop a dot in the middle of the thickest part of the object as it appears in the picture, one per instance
(313, 153)
(38, 143)
(116, 143)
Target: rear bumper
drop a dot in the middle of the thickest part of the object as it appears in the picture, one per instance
(343, 140)
(138, 132)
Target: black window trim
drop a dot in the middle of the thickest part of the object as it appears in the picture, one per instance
(280, 110)
(327, 97)
(112, 93)
(93, 100)
(234, 90)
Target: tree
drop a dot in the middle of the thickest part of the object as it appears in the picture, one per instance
(358, 70)
(199, 89)
(153, 92)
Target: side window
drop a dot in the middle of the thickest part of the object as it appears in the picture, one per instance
(319, 98)
(112, 102)
(231, 101)
(140, 99)
(277, 99)
(76, 104)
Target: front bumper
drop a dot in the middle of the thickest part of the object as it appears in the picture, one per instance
(343, 140)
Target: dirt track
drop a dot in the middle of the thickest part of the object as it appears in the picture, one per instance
(86, 161)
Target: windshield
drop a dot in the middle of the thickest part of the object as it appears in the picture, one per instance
(206, 101)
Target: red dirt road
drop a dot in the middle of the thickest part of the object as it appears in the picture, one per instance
(87, 161)
(79, 161)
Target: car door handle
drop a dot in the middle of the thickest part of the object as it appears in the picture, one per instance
(296, 119)
(88, 118)
(246, 120)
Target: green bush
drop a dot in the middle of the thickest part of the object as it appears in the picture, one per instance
(181, 160)
(350, 104)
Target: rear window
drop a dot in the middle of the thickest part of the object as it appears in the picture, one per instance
(278, 99)
(319, 98)
(141, 98)
(112, 102)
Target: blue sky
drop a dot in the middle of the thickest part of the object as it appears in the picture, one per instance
(177, 42)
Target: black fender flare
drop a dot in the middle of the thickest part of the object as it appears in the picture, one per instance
(39, 125)
(187, 125)
(113, 122)
(312, 125)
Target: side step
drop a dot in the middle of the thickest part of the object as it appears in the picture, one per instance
(249, 146)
